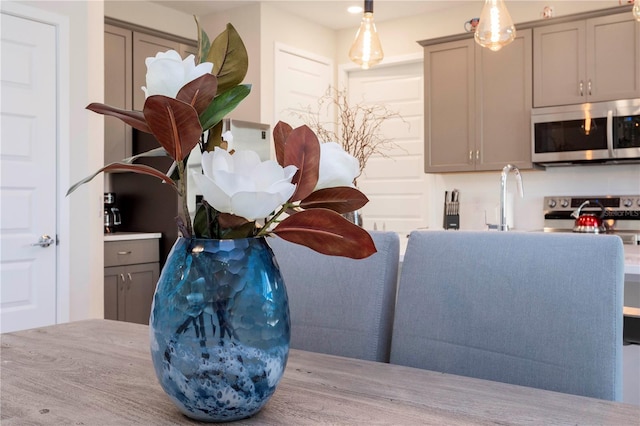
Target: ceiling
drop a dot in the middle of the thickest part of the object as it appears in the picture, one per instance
(328, 13)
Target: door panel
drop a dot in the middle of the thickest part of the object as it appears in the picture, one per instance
(395, 185)
(28, 161)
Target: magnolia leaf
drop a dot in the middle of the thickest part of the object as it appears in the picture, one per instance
(203, 42)
(156, 152)
(199, 92)
(280, 134)
(326, 232)
(134, 119)
(341, 199)
(123, 167)
(222, 105)
(229, 57)
(302, 150)
(174, 123)
(215, 138)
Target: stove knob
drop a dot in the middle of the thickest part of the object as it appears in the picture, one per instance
(552, 203)
(628, 202)
(564, 203)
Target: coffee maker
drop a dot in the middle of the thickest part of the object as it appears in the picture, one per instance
(112, 218)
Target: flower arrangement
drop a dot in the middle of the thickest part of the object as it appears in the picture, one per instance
(300, 197)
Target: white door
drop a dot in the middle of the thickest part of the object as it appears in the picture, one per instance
(396, 186)
(301, 79)
(28, 163)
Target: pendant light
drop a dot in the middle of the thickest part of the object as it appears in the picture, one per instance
(366, 49)
(636, 10)
(496, 28)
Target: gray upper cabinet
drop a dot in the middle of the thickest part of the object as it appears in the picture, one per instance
(117, 85)
(590, 60)
(477, 105)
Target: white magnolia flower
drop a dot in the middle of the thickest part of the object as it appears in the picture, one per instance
(167, 73)
(243, 185)
(337, 167)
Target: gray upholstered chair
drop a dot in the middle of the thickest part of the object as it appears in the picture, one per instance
(341, 306)
(533, 309)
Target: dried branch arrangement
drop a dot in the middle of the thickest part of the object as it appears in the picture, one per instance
(357, 127)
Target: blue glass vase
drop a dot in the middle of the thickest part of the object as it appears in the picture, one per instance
(219, 327)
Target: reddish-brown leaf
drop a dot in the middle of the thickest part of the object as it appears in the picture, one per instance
(199, 92)
(125, 167)
(341, 199)
(326, 232)
(134, 119)
(302, 149)
(280, 134)
(174, 123)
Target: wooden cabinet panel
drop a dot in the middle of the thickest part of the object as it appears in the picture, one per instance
(117, 91)
(590, 60)
(504, 125)
(130, 279)
(477, 106)
(449, 106)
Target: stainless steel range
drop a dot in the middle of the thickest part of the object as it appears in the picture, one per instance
(618, 215)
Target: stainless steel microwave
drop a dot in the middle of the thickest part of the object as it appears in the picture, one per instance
(601, 132)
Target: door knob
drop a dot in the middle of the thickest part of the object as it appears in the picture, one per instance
(44, 241)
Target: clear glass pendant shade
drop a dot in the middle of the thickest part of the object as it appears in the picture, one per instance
(366, 49)
(636, 10)
(496, 28)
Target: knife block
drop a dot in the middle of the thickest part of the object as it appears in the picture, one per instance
(451, 216)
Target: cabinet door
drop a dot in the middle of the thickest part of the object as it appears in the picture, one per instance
(504, 105)
(559, 76)
(449, 107)
(613, 58)
(113, 285)
(117, 91)
(145, 46)
(138, 295)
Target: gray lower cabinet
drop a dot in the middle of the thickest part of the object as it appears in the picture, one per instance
(130, 275)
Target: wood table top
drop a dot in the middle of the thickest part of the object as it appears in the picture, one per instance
(99, 372)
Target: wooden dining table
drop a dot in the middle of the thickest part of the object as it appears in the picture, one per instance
(99, 372)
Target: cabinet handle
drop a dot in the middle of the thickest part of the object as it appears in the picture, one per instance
(581, 88)
(470, 155)
(129, 276)
(477, 154)
(124, 252)
(122, 281)
(589, 87)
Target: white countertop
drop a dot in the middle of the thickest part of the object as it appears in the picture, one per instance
(124, 236)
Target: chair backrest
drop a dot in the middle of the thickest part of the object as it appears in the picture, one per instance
(533, 309)
(341, 306)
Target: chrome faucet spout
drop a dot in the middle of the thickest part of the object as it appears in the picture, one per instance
(503, 193)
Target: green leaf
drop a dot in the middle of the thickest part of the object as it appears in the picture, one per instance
(341, 199)
(326, 232)
(203, 42)
(134, 119)
(229, 57)
(174, 123)
(223, 104)
(123, 167)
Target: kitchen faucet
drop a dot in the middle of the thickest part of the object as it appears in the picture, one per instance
(503, 196)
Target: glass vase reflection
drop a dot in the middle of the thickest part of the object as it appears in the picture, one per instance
(219, 327)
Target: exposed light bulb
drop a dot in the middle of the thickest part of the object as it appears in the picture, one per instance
(636, 10)
(496, 28)
(366, 49)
